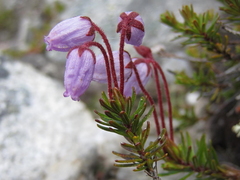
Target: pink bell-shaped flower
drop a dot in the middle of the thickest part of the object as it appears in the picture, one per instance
(132, 23)
(79, 72)
(70, 33)
(100, 74)
(144, 71)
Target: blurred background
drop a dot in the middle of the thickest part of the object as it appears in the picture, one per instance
(42, 134)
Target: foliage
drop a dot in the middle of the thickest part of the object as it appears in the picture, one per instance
(232, 8)
(199, 159)
(213, 48)
(199, 29)
(216, 70)
(186, 118)
(216, 76)
(121, 118)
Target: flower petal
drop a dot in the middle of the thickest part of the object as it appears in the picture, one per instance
(144, 73)
(100, 74)
(78, 73)
(136, 37)
(133, 24)
(68, 34)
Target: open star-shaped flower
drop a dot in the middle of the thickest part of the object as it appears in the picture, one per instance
(132, 23)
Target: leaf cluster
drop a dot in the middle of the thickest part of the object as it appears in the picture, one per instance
(216, 68)
(202, 79)
(214, 47)
(121, 118)
(199, 159)
(201, 29)
(186, 118)
(232, 8)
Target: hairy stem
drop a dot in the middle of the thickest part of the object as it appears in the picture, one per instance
(160, 102)
(121, 61)
(98, 45)
(167, 97)
(158, 129)
(109, 49)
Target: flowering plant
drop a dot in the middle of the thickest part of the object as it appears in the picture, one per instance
(125, 77)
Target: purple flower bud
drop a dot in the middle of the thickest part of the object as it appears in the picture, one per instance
(100, 74)
(132, 23)
(144, 71)
(70, 33)
(78, 73)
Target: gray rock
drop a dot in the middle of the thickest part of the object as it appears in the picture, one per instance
(42, 134)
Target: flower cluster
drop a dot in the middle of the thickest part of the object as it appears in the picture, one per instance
(121, 73)
(76, 35)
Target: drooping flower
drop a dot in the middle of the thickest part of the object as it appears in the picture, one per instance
(132, 23)
(70, 33)
(100, 74)
(144, 71)
(79, 72)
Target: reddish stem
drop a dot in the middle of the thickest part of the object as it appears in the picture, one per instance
(167, 97)
(121, 61)
(109, 49)
(149, 98)
(92, 43)
(159, 93)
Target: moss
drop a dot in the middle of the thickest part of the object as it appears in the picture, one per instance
(36, 34)
(50, 12)
(59, 7)
(8, 23)
(14, 53)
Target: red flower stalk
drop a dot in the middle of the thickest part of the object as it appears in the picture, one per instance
(150, 99)
(132, 32)
(107, 66)
(147, 54)
(109, 50)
